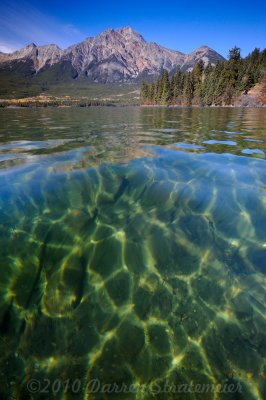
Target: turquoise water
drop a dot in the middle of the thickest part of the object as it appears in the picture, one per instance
(133, 253)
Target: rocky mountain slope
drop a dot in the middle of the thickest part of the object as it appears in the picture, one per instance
(119, 55)
(42, 56)
(204, 53)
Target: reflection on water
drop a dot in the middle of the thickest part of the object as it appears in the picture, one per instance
(133, 252)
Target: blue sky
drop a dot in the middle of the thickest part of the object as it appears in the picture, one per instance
(179, 25)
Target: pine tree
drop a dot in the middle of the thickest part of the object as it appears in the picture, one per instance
(232, 69)
(151, 93)
(212, 85)
(159, 91)
(177, 84)
(166, 88)
(144, 93)
(219, 84)
(197, 81)
(188, 90)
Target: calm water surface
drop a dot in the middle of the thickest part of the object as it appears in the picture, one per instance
(133, 252)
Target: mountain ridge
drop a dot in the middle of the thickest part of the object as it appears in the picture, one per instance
(114, 55)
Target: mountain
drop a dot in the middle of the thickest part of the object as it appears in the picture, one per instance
(204, 53)
(120, 55)
(41, 56)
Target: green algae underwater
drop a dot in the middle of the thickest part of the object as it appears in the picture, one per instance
(133, 253)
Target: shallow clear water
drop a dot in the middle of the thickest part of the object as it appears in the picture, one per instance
(133, 252)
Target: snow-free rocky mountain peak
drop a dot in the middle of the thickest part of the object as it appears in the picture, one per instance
(119, 55)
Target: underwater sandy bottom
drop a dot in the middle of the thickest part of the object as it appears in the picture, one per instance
(134, 281)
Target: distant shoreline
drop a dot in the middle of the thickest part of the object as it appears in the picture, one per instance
(41, 105)
(13, 104)
(195, 106)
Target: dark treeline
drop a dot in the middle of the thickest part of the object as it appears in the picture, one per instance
(211, 85)
(55, 103)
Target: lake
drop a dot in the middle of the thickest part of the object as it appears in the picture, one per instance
(133, 253)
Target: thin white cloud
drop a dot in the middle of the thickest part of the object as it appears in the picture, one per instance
(8, 48)
(70, 29)
(24, 23)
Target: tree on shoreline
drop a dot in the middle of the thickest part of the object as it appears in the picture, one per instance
(208, 85)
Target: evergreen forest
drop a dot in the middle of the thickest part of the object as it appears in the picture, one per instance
(209, 85)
